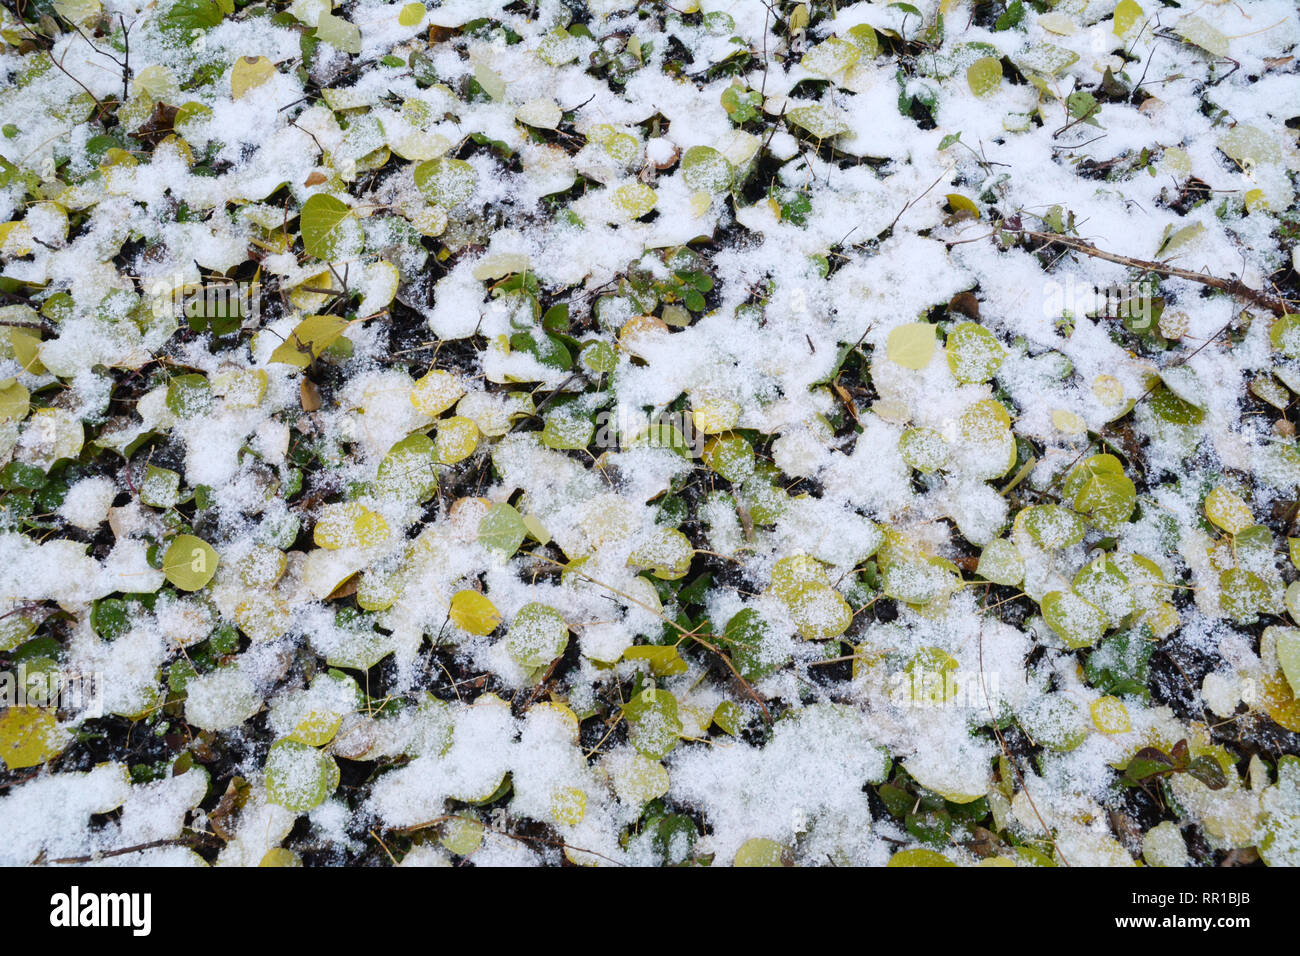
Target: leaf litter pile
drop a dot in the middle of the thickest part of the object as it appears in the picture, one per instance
(631, 433)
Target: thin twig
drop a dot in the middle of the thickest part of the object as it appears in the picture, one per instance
(1234, 287)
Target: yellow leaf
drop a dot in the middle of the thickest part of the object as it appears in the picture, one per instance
(263, 617)
(759, 852)
(635, 199)
(15, 400)
(819, 611)
(984, 76)
(472, 612)
(436, 392)
(456, 439)
(714, 416)
(248, 73)
(1126, 15)
(29, 736)
(309, 338)
(960, 204)
(317, 728)
(349, 524)
(411, 14)
(1228, 511)
(1067, 422)
(568, 806)
(919, 857)
(461, 836)
(911, 345)
(1110, 716)
(15, 239)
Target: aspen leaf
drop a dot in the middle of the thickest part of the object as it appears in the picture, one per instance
(1228, 511)
(298, 777)
(447, 182)
(29, 736)
(248, 73)
(411, 14)
(323, 222)
(190, 562)
(472, 612)
(911, 345)
(984, 76)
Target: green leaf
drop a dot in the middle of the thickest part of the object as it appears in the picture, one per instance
(109, 618)
(186, 16)
(1079, 623)
(322, 223)
(1148, 762)
(408, 469)
(160, 488)
(339, 33)
(298, 777)
(1244, 595)
(865, 39)
(1121, 663)
(1207, 770)
(1288, 656)
(974, 353)
(547, 349)
(190, 562)
(984, 76)
(537, 636)
(599, 357)
(1011, 17)
(664, 660)
(1083, 107)
(447, 182)
(502, 529)
(189, 396)
(923, 448)
(309, 339)
(655, 726)
(1001, 563)
(1285, 335)
(703, 167)
(567, 429)
(1052, 526)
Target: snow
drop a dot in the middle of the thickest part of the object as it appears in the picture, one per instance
(332, 614)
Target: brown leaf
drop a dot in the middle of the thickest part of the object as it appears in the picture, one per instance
(315, 179)
(346, 589)
(158, 126)
(966, 304)
(983, 842)
(846, 399)
(233, 799)
(309, 395)
(1248, 856)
